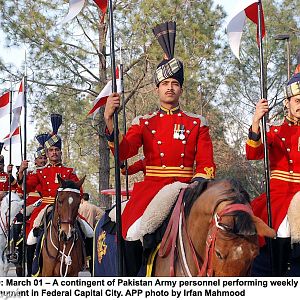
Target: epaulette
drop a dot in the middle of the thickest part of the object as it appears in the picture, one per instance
(277, 122)
(72, 170)
(136, 120)
(201, 118)
(35, 168)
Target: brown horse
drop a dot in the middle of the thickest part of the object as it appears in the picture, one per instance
(62, 247)
(212, 232)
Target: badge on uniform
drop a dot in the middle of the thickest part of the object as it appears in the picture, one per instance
(179, 132)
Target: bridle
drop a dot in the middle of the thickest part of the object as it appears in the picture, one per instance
(69, 221)
(177, 227)
(64, 258)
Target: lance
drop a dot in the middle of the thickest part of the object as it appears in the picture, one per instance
(116, 146)
(124, 117)
(263, 91)
(9, 174)
(25, 172)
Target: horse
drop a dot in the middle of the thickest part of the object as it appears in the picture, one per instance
(16, 206)
(212, 232)
(216, 213)
(62, 250)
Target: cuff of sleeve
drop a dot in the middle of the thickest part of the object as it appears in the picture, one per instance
(109, 137)
(20, 181)
(12, 179)
(254, 136)
(254, 144)
(209, 174)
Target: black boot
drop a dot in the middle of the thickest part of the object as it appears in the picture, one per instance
(133, 257)
(281, 249)
(30, 255)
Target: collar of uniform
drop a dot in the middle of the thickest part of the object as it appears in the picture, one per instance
(171, 111)
(292, 121)
(55, 165)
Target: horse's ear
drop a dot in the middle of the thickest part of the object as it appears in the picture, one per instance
(80, 182)
(60, 180)
(262, 228)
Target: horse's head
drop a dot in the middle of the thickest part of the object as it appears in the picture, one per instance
(224, 213)
(66, 207)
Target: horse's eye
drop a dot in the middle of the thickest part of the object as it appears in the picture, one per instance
(218, 254)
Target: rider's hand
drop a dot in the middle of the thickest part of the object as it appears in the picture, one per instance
(262, 107)
(112, 103)
(24, 166)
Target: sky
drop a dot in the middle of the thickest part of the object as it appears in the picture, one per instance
(17, 57)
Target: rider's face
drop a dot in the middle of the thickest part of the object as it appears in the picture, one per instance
(293, 106)
(41, 161)
(169, 91)
(54, 155)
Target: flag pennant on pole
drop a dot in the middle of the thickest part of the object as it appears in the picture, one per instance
(15, 138)
(75, 7)
(102, 4)
(18, 104)
(4, 104)
(106, 91)
(244, 9)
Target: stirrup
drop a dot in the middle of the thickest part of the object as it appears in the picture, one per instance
(13, 257)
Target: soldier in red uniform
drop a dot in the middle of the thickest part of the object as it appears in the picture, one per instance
(176, 144)
(5, 176)
(45, 179)
(31, 202)
(284, 155)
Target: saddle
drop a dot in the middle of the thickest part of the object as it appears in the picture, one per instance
(156, 212)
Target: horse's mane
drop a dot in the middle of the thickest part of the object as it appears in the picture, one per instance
(243, 224)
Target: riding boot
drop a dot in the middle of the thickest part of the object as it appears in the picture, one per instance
(281, 249)
(89, 253)
(281, 255)
(133, 257)
(13, 256)
(294, 263)
(30, 255)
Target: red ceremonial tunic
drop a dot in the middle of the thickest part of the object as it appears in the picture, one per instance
(4, 182)
(32, 197)
(284, 156)
(45, 180)
(177, 147)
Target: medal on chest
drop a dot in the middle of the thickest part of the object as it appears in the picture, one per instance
(56, 179)
(179, 131)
